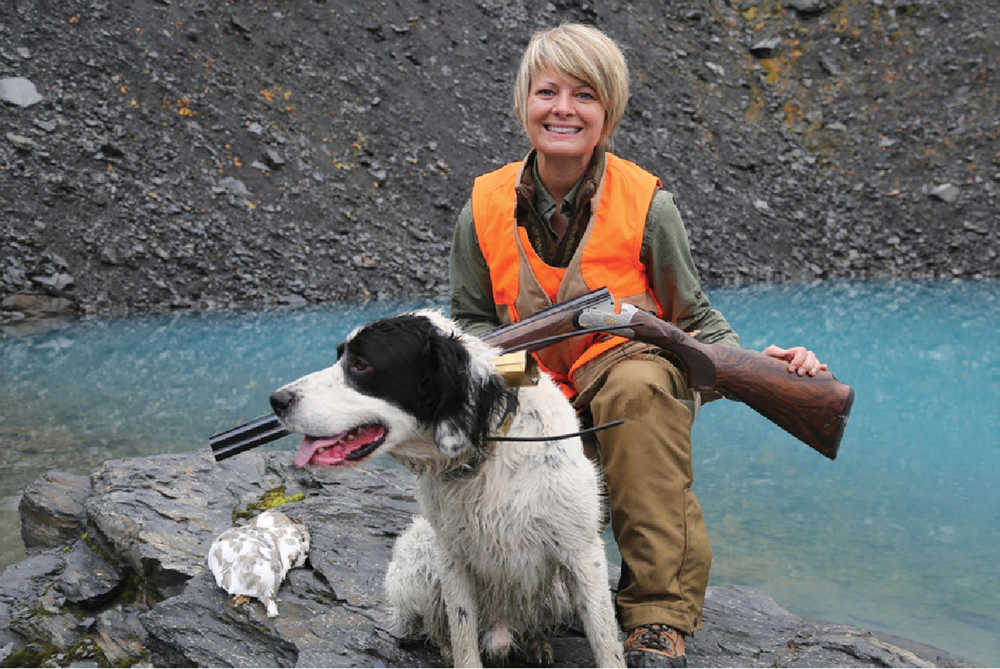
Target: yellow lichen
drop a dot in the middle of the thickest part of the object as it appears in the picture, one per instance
(271, 499)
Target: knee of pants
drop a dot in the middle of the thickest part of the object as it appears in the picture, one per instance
(655, 441)
(638, 387)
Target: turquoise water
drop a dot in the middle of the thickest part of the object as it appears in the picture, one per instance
(901, 533)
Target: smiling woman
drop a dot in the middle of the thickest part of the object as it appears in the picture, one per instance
(572, 217)
(564, 120)
(569, 96)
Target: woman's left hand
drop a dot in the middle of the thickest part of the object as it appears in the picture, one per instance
(799, 359)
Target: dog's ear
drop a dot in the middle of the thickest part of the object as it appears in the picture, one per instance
(450, 438)
(446, 388)
(466, 400)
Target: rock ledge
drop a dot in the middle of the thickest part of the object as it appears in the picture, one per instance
(121, 579)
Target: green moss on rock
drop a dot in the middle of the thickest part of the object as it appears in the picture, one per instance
(271, 499)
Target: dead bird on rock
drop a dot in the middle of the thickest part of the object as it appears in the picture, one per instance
(252, 561)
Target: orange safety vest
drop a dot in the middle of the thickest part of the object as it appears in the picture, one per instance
(608, 255)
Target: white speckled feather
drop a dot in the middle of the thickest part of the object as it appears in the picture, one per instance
(253, 560)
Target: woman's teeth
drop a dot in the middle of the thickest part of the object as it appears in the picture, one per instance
(561, 130)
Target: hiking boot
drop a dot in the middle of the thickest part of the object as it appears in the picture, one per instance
(655, 645)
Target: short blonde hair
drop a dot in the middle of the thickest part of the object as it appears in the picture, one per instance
(582, 52)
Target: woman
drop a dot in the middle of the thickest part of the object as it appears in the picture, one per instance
(572, 217)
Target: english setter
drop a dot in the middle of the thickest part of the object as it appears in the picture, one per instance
(508, 548)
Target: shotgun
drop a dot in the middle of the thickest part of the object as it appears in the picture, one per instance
(813, 409)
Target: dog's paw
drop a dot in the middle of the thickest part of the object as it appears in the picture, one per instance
(539, 653)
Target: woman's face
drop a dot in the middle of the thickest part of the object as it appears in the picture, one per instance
(563, 118)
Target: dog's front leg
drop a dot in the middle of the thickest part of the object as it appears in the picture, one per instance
(459, 597)
(588, 571)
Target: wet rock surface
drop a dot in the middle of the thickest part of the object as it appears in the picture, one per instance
(176, 155)
(133, 587)
(53, 510)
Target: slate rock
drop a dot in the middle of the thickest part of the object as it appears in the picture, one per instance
(21, 142)
(234, 187)
(19, 91)
(51, 510)
(56, 282)
(274, 159)
(39, 306)
(807, 7)
(766, 48)
(120, 636)
(32, 607)
(945, 192)
(157, 518)
(88, 579)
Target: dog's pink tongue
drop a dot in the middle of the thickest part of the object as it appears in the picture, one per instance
(309, 447)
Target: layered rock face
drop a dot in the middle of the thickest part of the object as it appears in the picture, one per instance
(167, 155)
(117, 574)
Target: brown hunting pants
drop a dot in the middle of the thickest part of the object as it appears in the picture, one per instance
(656, 519)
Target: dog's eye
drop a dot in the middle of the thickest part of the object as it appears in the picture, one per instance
(358, 365)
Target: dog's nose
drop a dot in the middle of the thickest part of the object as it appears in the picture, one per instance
(282, 401)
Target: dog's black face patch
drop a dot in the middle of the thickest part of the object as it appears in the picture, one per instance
(404, 359)
(409, 362)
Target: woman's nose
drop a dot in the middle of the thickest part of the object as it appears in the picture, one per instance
(564, 104)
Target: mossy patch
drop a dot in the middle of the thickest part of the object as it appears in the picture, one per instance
(43, 655)
(271, 499)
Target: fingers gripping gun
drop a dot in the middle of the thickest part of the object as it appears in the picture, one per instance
(814, 409)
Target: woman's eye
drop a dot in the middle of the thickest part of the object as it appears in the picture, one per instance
(585, 95)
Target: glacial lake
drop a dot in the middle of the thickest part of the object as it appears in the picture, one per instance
(901, 533)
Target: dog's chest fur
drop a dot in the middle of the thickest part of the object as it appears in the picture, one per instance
(509, 523)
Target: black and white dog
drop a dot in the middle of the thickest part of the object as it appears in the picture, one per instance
(509, 546)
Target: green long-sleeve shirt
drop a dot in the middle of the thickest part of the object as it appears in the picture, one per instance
(665, 254)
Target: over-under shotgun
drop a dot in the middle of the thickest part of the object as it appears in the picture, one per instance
(814, 409)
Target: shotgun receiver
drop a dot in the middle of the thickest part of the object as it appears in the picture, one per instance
(814, 409)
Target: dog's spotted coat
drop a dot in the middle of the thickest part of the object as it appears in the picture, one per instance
(508, 549)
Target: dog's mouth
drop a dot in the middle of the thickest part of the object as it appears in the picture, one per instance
(340, 449)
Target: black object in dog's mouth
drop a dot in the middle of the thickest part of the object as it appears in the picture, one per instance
(341, 449)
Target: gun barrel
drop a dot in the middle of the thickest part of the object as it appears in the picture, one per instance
(555, 320)
(252, 434)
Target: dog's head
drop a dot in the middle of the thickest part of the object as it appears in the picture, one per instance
(411, 384)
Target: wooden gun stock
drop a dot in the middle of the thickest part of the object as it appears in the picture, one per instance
(813, 409)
